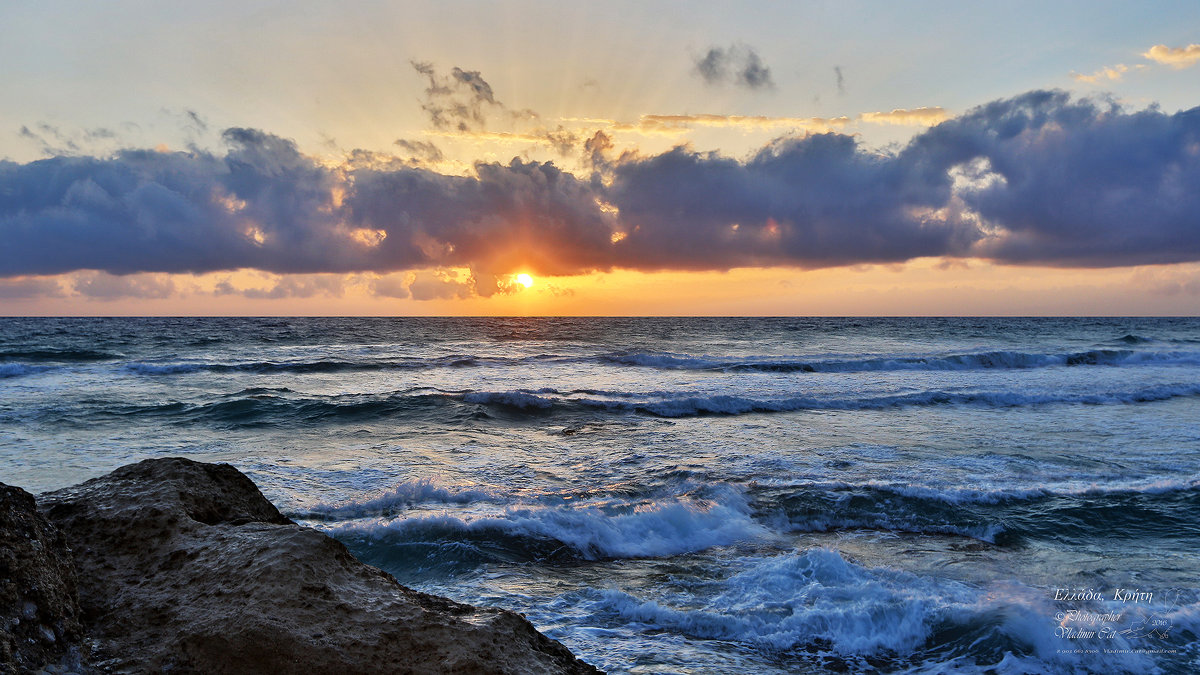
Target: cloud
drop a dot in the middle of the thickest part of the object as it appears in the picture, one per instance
(738, 64)
(392, 286)
(1177, 57)
(753, 73)
(676, 124)
(52, 140)
(462, 100)
(811, 202)
(462, 105)
(1107, 74)
(26, 288)
(712, 66)
(195, 121)
(924, 117)
(563, 140)
(668, 122)
(504, 217)
(841, 81)
(1040, 178)
(421, 151)
(1074, 182)
(595, 150)
(101, 286)
(1036, 179)
(1171, 281)
(441, 285)
(300, 286)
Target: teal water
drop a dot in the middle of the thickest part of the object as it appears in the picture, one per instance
(691, 495)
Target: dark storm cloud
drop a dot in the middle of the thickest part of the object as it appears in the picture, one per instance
(813, 202)
(1074, 183)
(149, 211)
(522, 213)
(1036, 179)
(738, 64)
(1039, 178)
(264, 205)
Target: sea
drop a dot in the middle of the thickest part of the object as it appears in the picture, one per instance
(690, 495)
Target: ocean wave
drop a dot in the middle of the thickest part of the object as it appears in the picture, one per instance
(335, 365)
(958, 495)
(617, 529)
(991, 360)
(55, 354)
(301, 367)
(901, 523)
(270, 406)
(1006, 516)
(404, 495)
(511, 399)
(265, 406)
(1001, 360)
(691, 406)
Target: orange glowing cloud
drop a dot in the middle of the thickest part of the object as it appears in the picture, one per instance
(1176, 57)
(923, 117)
(1110, 74)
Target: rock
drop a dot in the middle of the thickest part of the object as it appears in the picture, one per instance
(39, 606)
(186, 567)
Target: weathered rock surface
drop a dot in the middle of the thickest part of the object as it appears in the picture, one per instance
(186, 567)
(39, 607)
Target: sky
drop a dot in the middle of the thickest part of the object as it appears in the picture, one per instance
(627, 158)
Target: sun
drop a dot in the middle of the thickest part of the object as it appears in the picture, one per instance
(525, 280)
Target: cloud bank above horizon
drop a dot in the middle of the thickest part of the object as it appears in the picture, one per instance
(1041, 178)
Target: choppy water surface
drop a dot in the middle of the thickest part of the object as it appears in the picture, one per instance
(691, 495)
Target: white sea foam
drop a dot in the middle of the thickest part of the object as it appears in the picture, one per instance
(952, 494)
(164, 368)
(793, 600)
(19, 369)
(818, 599)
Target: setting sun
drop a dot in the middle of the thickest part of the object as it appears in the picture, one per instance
(525, 280)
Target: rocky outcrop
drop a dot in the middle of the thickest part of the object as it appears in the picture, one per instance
(185, 567)
(39, 607)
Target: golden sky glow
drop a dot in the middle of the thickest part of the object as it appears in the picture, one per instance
(921, 287)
